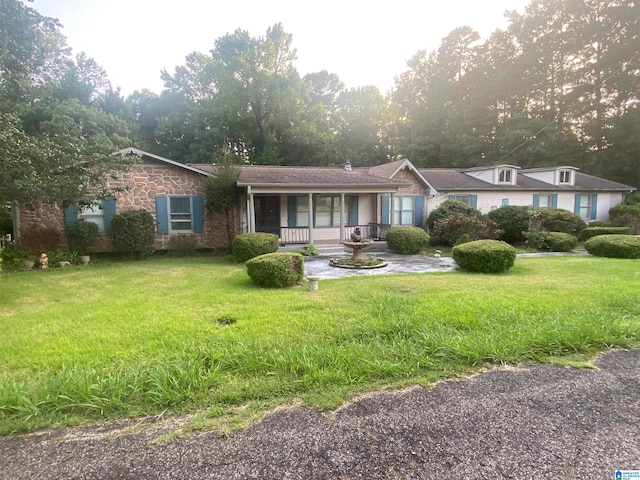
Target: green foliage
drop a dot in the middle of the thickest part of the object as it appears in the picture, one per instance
(556, 220)
(57, 256)
(556, 242)
(626, 216)
(182, 245)
(513, 220)
(36, 239)
(590, 231)
(249, 245)
(276, 270)
(407, 240)
(81, 235)
(6, 219)
(450, 230)
(11, 257)
(484, 256)
(132, 232)
(449, 208)
(308, 250)
(614, 246)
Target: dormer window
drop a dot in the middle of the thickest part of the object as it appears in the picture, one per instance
(565, 177)
(505, 175)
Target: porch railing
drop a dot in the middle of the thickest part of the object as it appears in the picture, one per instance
(294, 235)
(300, 235)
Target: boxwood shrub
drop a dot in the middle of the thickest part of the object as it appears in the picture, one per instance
(557, 220)
(132, 232)
(407, 240)
(485, 256)
(558, 242)
(614, 246)
(250, 245)
(513, 220)
(590, 231)
(276, 270)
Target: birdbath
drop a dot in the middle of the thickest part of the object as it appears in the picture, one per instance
(358, 261)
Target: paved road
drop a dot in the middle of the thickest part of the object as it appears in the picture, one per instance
(533, 422)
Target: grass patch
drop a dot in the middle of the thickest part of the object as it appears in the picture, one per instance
(179, 335)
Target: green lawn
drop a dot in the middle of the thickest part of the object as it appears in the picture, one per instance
(178, 335)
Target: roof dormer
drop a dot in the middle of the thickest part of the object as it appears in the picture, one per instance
(496, 175)
(565, 176)
(560, 176)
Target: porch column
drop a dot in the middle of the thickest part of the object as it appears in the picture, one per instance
(251, 211)
(310, 218)
(341, 217)
(391, 199)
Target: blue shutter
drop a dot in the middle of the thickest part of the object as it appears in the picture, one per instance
(576, 205)
(386, 220)
(536, 200)
(419, 212)
(353, 210)
(198, 213)
(109, 212)
(594, 206)
(292, 211)
(70, 215)
(474, 201)
(554, 200)
(162, 214)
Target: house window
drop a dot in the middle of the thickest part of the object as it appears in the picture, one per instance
(404, 209)
(505, 176)
(585, 207)
(462, 198)
(180, 214)
(327, 211)
(565, 177)
(302, 212)
(95, 214)
(544, 201)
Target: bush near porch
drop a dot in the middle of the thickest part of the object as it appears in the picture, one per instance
(250, 245)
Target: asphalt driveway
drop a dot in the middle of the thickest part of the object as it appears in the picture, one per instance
(532, 422)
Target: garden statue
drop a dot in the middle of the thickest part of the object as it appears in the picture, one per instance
(356, 236)
(43, 261)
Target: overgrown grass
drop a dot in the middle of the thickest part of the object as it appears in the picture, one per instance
(178, 335)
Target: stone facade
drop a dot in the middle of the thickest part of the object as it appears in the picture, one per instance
(142, 183)
(417, 186)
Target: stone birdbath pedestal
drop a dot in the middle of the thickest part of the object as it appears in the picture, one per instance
(357, 260)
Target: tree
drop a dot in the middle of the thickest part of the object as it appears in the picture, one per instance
(56, 142)
(221, 191)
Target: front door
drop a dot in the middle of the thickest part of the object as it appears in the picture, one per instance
(267, 214)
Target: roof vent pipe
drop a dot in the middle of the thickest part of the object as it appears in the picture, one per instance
(347, 166)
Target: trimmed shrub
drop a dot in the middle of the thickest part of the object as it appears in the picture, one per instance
(81, 235)
(590, 231)
(614, 246)
(485, 256)
(626, 216)
(407, 240)
(250, 245)
(449, 208)
(513, 220)
(36, 240)
(558, 242)
(556, 220)
(132, 232)
(461, 227)
(276, 270)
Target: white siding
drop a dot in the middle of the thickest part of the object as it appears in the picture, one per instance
(548, 176)
(484, 175)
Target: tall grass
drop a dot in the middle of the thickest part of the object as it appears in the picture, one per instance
(181, 334)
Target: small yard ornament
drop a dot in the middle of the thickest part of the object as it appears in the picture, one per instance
(43, 261)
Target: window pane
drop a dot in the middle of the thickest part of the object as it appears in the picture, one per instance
(180, 225)
(407, 202)
(397, 203)
(544, 201)
(323, 219)
(407, 218)
(463, 198)
(396, 218)
(180, 205)
(94, 214)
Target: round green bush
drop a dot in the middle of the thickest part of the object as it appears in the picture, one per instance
(462, 228)
(558, 242)
(485, 256)
(626, 216)
(250, 245)
(614, 246)
(407, 240)
(557, 220)
(276, 270)
(513, 220)
(592, 231)
(82, 235)
(132, 232)
(449, 208)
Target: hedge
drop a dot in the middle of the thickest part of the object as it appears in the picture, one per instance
(276, 270)
(250, 245)
(614, 246)
(589, 232)
(485, 256)
(407, 240)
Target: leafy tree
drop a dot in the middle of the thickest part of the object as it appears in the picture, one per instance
(221, 191)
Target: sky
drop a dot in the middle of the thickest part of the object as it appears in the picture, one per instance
(363, 42)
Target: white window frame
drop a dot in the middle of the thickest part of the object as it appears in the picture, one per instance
(400, 209)
(334, 211)
(505, 176)
(549, 200)
(587, 207)
(94, 213)
(171, 214)
(569, 177)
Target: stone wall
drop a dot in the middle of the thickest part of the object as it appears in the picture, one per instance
(409, 176)
(142, 183)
